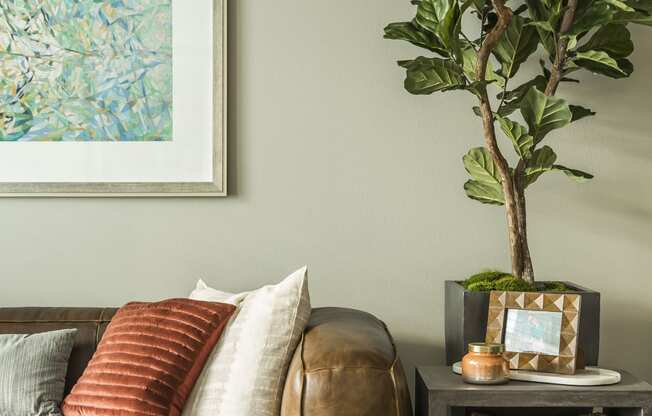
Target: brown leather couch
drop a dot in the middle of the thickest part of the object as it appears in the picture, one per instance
(345, 365)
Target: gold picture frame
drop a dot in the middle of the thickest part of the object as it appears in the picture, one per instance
(567, 304)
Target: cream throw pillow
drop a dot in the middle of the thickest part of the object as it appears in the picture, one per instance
(245, 374)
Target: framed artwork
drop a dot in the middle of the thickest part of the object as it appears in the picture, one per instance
(539, 330)
(113, 98)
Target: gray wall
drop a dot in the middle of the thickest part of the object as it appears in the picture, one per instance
(335, 166)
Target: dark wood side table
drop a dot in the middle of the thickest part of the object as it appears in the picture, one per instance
(439, 392)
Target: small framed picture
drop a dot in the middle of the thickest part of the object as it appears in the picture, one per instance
(539, 330)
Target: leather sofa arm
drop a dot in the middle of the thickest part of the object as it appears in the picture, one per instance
(345, 365)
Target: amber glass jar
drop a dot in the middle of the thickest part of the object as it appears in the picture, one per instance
(485, 364)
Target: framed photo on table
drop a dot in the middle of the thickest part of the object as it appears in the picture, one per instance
(539, 330)
(113, 98)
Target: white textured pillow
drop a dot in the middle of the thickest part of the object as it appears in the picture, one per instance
(245, 374)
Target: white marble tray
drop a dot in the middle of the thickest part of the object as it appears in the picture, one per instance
(591, 376)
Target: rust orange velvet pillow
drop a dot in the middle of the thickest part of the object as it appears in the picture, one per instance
(149, 359)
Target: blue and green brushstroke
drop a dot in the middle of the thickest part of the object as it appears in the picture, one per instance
(85, 70)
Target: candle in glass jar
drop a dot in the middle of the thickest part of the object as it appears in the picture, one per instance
(485, 364)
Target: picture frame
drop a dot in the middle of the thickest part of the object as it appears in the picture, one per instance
(214, 181)
(543, 308)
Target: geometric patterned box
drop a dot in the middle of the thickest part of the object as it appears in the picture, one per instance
(568, 304)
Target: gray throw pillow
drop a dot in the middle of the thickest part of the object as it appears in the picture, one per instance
(33, 372)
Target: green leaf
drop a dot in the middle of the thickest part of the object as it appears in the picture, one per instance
(427, 75)
(480, 165)
(636, 18)
(514, 97)
(601, 63)
(485, 192)
(544, 25)
(539, 82)
(613, 39)
(544, 114)
(450, 28)
(553, 5)
(441, 18)
(644, 6)
(517, 133)
(574, 174)
(540, 12)
(516, 45)
(470, 62)
(620, 5)
(486, 185)
(642, 14)
(572, 41)
(442, 7)
(580, 112)
(409, 32)
(427, 16)
(598, 13)
(542, 161)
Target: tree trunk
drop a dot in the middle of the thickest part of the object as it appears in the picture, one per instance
(515, 240)
(490, 41)
(519, 192)
(517, 213)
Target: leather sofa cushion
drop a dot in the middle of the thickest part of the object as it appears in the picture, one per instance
(89, 322)
(346, 365)
(149, 359)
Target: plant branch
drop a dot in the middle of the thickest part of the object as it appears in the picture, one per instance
(492, 38)
(489, 43)
(556, 72)
(502, 99)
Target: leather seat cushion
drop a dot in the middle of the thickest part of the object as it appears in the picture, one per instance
(89, 322)
(149, 359)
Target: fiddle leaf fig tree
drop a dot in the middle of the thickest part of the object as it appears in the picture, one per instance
(573, 35)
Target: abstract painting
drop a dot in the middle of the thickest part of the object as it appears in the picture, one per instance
(113, 98)
(86, 70)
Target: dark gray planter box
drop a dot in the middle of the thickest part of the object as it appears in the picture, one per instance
(466, 321)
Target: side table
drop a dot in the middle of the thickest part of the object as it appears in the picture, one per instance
(440, 392)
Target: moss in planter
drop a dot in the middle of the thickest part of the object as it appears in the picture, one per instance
(480, 286)
(513, 284)
(555, 287)
(497, 280)
(483, 280)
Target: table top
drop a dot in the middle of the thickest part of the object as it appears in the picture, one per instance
(442, 379)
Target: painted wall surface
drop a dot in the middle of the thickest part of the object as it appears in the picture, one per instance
(334, 165)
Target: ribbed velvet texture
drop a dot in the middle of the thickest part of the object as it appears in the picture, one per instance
(149, 359)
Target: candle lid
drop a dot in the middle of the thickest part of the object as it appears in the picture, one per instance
(486, 348)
